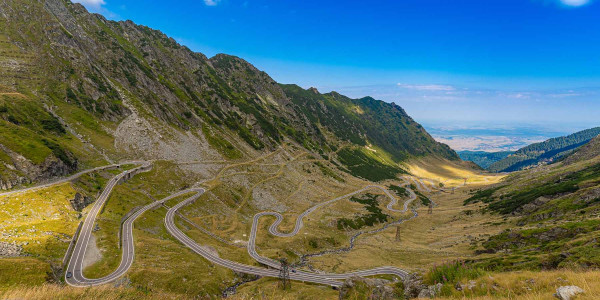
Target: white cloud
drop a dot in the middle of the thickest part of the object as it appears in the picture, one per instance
(211, 2)
(91, 4)
(427, 87)
(575, 3)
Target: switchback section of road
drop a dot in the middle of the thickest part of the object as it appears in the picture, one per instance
(74, 275)
(273, 229)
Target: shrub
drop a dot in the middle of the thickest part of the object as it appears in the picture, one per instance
(375, 215)
(13, 120)
(52, 124)
(451, 273)
(60, 153)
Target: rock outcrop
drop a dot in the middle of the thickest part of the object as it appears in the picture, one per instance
(10, 249)
(367, 288)
(79, 202)
(568, 292)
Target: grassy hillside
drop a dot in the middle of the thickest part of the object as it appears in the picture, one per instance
(129, 91)
(545, 152)
(367, 121)
(554, 208)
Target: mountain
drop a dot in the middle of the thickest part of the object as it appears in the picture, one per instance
(585, 153)
(545, 152)
(482, 158)
(78, 90)
(554, 206)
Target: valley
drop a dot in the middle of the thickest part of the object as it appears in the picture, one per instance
(132, 167)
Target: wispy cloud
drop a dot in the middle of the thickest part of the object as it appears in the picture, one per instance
(212, 2)
(98, 6)
(575, 3)
(92, 4)
(427, 87)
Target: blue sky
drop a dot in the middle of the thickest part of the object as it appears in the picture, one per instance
(496, 61)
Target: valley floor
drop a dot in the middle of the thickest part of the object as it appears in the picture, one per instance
(288, 181)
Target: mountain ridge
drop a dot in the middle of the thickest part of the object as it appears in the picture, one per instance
(545, 152)
(133, 92)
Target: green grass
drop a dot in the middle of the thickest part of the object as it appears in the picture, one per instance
(375, 215)
(482, 195)
(220, 144)
(570, 245)
(164, 179)
(514, 200)
(22, 271)
(366, 166)
(400, 191)
(328, 172)
(451, 273)
(424, 199)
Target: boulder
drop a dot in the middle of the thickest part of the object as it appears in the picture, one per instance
(431, 291)
(79, 202)
(413, 285)
(568, 292)
(367, 288)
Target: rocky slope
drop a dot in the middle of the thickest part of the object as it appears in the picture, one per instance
(113, 90)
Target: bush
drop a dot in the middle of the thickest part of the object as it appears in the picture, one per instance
(482, 195)
(13, 120)
(375, 215)
(52, 124)
(60, 153)
(451, 273)
(400, 191)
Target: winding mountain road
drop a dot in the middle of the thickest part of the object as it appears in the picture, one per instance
(74, 273)
(238, 267)
(273, 229)
(70, 178)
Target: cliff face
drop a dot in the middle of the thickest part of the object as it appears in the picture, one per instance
(123, 90)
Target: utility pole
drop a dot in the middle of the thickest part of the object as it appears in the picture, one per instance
(284, 274)
(430, 207)
(397, 233)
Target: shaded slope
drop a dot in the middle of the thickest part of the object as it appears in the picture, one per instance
(482, 158)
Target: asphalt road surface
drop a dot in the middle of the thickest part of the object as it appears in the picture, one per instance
(67, 179)
(74, 273)
(299, 224)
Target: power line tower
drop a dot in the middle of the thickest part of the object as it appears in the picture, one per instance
(398, 233)
(284, 274)
(430, 207)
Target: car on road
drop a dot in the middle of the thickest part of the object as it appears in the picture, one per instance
(69, 274)
(293, 271)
